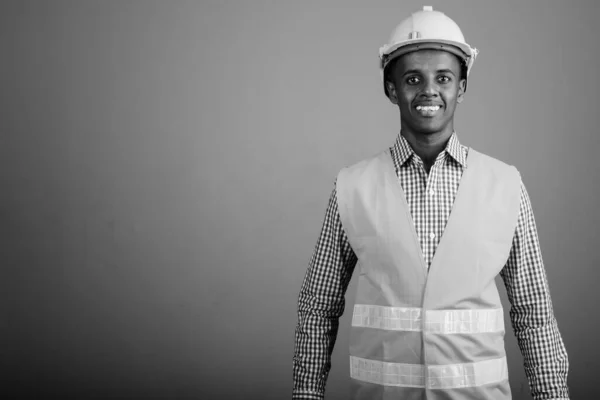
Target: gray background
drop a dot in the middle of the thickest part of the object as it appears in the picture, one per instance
(165, 168)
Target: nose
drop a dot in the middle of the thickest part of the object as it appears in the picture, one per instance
(430, 88)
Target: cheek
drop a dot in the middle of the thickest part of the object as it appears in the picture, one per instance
(405, 99)
(450, 98)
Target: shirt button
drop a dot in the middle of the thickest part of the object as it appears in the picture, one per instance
(432, 235)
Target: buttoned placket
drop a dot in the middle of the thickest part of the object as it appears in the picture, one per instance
(429, 237)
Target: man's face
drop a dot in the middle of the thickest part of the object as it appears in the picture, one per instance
(426, 86)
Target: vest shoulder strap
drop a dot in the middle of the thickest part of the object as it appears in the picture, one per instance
(362, 176)
(492, 167)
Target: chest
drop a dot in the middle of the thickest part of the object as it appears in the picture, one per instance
(429, 197)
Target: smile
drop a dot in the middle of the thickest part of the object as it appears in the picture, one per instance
(428, 111)
(428, 108)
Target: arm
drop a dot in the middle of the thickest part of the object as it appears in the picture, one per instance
(320, 304)
(532, 317)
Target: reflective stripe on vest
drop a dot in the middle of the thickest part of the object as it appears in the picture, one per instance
(438, 321)
(449, 376)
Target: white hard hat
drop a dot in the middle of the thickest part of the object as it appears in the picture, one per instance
(426, 29)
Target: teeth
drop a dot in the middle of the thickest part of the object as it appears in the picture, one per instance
(428, 108)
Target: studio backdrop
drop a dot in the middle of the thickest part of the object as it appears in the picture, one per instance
(165, 167)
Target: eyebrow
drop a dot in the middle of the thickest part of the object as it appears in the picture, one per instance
(415, 71)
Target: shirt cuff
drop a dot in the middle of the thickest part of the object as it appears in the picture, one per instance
(307, 395)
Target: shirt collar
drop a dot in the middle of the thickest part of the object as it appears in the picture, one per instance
(402, 150)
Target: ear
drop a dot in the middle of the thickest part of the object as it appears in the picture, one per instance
(462, 87)
(391, 91)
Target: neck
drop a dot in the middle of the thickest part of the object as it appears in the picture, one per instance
(427, 146)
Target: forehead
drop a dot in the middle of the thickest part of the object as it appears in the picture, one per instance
(428, 60)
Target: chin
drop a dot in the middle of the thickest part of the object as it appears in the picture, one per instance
(429, 129)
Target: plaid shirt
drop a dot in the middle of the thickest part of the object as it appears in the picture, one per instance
(430, 198)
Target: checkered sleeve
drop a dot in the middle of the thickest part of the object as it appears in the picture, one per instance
(320, 304)
(532, 317)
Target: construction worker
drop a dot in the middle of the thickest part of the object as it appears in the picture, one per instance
(431, 223)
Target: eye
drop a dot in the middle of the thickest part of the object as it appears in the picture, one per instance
(444, 79)
(413, 80)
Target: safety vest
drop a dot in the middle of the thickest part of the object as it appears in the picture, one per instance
(437, 334)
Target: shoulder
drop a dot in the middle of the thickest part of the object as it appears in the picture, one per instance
(362, 175)
(492, 164)
(366, 164)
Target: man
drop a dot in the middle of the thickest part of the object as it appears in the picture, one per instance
(431, 224)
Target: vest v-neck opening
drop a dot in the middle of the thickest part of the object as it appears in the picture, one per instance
(392, 177)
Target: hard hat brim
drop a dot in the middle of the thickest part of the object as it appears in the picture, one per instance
(465, 52)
